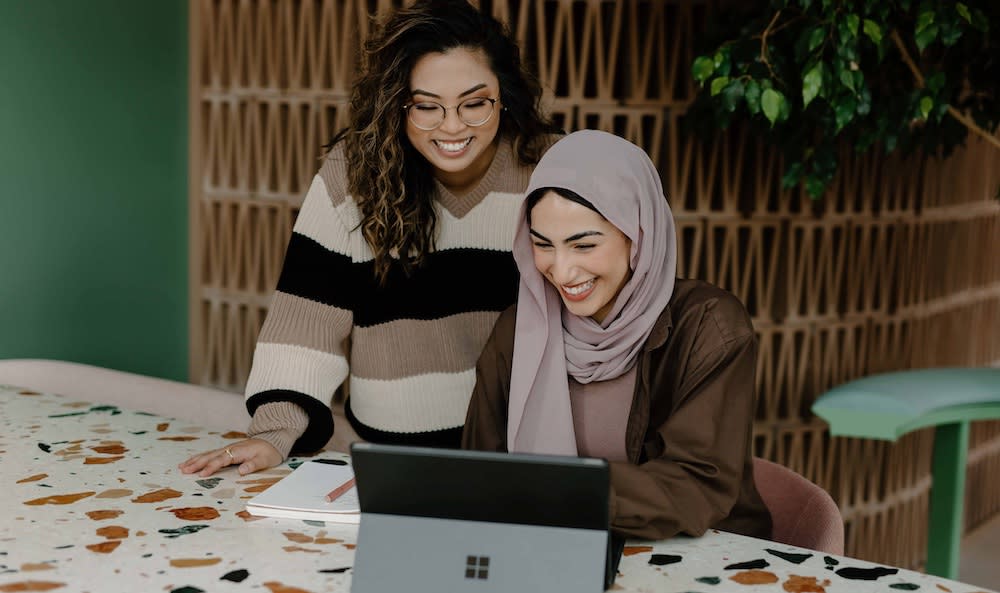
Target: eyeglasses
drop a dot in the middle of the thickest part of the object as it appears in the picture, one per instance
(429, 115)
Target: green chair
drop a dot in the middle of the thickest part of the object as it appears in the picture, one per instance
(889, 405)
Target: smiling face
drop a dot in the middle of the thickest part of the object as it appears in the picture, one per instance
(585, 257)
(460, 154)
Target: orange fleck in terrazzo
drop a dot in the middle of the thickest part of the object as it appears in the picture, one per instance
(178, 438)
(277, 587)
(800, 584)
(59, 499)
(326, 540)
(110, 449)
(754, 577)
(299, 538)
(232, 434)
(115, 493)
(196, 513)
(268, 481)
(104, 514)
(33, 478)
(158, 495)
(193, 562)
(943, 588)
(36, 566)
(247, 516)
(632, 550)
(102, 460)
(105, 547)
(113, 532)
(162, 426)
(30, 586)
(350, 546)
(291, 549)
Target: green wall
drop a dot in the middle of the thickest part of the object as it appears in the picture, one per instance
(93, 183)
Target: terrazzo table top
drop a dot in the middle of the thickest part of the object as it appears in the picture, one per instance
(92, 501)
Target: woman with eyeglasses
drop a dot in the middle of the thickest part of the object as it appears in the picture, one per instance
(400, 260)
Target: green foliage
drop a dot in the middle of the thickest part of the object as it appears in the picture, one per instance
(810, 74)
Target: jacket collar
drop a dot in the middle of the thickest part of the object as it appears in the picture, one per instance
(662, 329)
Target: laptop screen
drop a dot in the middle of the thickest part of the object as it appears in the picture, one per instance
(548, 490)
(514, 492)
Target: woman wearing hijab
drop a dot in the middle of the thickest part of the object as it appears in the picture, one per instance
(607, 354)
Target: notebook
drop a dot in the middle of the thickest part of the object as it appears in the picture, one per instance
(436, 520)
(302, 494)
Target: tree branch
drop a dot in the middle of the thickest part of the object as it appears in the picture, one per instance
(965, 120)
(763, 45)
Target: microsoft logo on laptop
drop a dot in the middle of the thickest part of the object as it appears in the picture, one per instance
(477, 567)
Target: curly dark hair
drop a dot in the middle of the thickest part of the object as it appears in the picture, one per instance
(391, 182)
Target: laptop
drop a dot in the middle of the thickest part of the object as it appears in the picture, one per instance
(436, 520)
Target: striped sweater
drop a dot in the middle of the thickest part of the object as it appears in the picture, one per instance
(407, 349)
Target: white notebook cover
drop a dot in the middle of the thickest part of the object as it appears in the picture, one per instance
(302, 495)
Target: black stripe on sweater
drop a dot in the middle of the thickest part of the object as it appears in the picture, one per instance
(446, 438)
(320, 427)
(451, 282)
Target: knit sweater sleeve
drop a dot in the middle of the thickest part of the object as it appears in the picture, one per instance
(279, 423)
(301, 354)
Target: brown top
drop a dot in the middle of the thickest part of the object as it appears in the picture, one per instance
(600, 415)
(688, 440)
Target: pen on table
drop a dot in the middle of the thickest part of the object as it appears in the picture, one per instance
(339, 490)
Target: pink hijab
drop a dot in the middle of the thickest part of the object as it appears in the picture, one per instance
(550, 343)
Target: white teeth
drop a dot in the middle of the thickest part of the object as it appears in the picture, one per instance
(580, 288)
(452, 146)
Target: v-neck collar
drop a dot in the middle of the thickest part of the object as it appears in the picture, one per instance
(460, 206)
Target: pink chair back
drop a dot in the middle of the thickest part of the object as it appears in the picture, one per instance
(802, 513)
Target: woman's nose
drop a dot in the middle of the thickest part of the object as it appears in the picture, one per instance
(563, 269)
(452, 123)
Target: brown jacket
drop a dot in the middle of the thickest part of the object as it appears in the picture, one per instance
(689, 431)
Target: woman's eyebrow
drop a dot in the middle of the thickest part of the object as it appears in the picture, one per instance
(539, 235)
(579, 236)
(568, 239)
(481, 85)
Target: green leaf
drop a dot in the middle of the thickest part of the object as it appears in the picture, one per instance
(979, 20)
(792, 175)
(721, 59)
(926, 36)
(815, 186)
(752, 95)
(963, 10)
(852, 23)
(864, 101)
(873, 31)
(847, 79)
(718, 83)
(844, 111)
(950, 35)
(925, 20)
(816, 38)
(702, 68)
(926, 104)
(811, 84)
(786, 108)
(935, 82)
(771, 102)
(732, 94)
